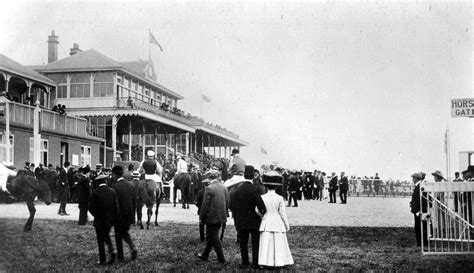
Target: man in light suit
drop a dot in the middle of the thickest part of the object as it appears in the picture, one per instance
(214, 214)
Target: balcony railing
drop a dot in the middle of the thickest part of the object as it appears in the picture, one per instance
(135, 103)
(173, 114)
(53, 121)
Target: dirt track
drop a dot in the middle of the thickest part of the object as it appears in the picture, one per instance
(360, 211)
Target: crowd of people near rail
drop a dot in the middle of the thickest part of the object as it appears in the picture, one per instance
(220, 188)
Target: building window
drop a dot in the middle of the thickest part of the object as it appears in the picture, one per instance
(62, 91)
(85, 155)
(103, 85)
(80, 90)
(43, 151)
(5, 149)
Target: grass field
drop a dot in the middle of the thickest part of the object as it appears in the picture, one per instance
(63, 245)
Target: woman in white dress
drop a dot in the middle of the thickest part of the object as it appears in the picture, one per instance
(274, 250)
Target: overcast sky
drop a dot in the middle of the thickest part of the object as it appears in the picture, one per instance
(356, 87)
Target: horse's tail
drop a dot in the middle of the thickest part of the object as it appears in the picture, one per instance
(147, 192)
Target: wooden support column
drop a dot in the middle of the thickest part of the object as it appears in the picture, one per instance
(195, 143)
(214, 145)
(155, 139)
(187, 144)
(166, 144)
(225, 150)
(208, 145)
(143, 141)
(175, 145)
(114, 138)
(220, 149)
(130, 140)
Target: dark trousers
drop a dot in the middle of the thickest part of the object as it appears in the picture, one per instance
(121, 234)
(202, 226)
(213, 241)
(103, 237)
(456, 201)
(332, 196)
(82, 213)
(293, 196)
(243, 240)
(343, 196)
(320, 193)
(418, 231)
(62, 198)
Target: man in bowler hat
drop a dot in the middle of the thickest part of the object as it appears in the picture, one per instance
(214, 214)
(127, 202)
(103, 206)
(244, 202)
(418, 210)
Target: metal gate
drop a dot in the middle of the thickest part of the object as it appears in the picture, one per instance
(447, 222)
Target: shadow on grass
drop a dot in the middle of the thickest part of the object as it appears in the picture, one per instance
(63, 245)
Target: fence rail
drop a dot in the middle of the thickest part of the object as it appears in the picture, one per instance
(53, 121)
(447, 218)
(378, 188)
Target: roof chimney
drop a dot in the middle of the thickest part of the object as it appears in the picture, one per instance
(52, 47)
(75, 49)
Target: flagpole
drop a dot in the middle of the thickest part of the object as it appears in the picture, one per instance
(447, 153)
(149, 46)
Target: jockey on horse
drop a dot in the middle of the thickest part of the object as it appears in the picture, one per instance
(152, 170)
(182, 182)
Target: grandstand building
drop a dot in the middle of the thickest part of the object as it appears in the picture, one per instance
(126, 106)
(61, 137)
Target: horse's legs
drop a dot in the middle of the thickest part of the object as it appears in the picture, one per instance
(149, 214)
(32, 210)
(139, 215)
(158, 202)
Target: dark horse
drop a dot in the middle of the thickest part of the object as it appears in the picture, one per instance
(24, 186)
(182, 182)
(148, 195)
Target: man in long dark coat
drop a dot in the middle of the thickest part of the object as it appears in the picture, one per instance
(83, 193)
(103, 206)
(332, 188)
(213, 214)
(294, 189)
(418, 210)
(127, 203)
(343, 188)
(63, 188)
(244, 201)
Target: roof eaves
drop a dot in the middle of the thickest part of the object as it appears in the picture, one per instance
(155, 84)
(41, 79)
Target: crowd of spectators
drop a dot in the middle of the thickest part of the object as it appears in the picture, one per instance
(61, 109)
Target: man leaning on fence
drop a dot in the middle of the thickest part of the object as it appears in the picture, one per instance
(417, 210)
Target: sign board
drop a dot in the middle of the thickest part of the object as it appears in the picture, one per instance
(462, 108)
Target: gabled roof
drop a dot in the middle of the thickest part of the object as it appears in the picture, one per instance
(92, 60)
(87, 60)
(141, 67)
(13, 67)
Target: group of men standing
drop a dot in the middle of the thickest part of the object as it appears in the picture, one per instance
(314, 186)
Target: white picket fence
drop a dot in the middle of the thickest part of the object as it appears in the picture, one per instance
(449, 217)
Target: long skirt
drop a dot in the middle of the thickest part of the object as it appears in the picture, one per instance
(274, 249)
